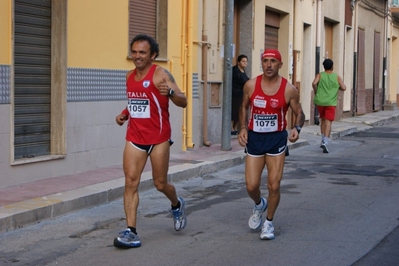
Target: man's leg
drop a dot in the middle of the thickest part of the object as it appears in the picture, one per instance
(253, 171)
(160, 164)
(327, 129)
(326, 135)
(275, 167)
(329, 117)
(321, 110)
(159, 157)
(134, 161)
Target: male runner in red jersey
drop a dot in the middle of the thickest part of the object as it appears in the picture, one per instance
(149, 88)
(264, 136)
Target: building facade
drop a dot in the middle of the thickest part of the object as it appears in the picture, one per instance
(63, 65)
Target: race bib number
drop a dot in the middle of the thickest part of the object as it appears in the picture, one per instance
(139, 108)
(265, 123)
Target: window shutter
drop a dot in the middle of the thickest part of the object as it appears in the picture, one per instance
(272, 25)
(32, 77)
(142, 18)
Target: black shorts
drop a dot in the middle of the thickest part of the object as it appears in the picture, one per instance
(273, 143)
(147, 148)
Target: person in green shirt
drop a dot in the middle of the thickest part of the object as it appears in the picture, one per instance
(326, 86)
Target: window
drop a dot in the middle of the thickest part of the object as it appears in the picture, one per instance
(272, 26)
(39, 90)
(32, 78)
(149, 17)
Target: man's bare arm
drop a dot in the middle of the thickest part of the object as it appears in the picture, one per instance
(165, 81)
(247, 91)
(296, 106)
(315, 82)
(342, 86)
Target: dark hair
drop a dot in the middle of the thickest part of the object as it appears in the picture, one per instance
(153, 44)
(328, 64)
(240, 57)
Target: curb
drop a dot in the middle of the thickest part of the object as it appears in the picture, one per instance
(29, 212)
(21, 214)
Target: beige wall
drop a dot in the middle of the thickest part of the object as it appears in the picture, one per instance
(347, 69)
(98, 37)
(304, 42)
(285, 7)
(100, 40)
(393, 76)
(5, 32)
(370, 22)
(343, 46)
(95, 40)
(333, 11)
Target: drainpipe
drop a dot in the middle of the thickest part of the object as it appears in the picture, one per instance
(189, 108)
(227, 79)
(355, 5)
(318, 43)
(183, 66)
(205, 46)
(206, 142)
(384, 60)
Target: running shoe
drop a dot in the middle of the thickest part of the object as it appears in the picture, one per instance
(179, 217)
(267, 231)
(324, 147)
(127, 239)
(255, 221)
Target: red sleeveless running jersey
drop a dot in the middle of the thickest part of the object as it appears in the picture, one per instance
(267, 113)
(148, 111)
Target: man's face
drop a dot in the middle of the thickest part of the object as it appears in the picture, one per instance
(141, 54)
(271, 66)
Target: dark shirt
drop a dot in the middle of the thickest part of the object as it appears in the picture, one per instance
(239, 79)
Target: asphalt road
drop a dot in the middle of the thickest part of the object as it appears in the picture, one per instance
(339, 208)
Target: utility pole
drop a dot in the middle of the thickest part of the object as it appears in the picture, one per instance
(318, 44)
(227, 78)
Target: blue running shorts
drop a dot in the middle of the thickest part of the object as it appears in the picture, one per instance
(273, 143)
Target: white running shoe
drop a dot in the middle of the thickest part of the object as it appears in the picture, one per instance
(267, 231)
(179, 216)
(127, 239)
(324, 147)
(255, 221)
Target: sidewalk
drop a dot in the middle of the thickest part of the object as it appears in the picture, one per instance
(32, 202)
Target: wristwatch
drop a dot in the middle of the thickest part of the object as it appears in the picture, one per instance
(298, 128)
(171, 92)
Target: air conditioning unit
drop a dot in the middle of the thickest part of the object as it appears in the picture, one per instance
(395, 3)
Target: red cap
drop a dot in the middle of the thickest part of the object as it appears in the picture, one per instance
(272, 53)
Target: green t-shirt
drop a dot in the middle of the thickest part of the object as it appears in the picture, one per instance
(327, 90)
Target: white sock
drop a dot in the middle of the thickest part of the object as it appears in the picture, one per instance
(326, 140)
(322, 137)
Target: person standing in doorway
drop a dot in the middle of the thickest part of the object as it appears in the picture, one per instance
(239, 79)
(149, 89)
(267, 98)
(326, 86)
